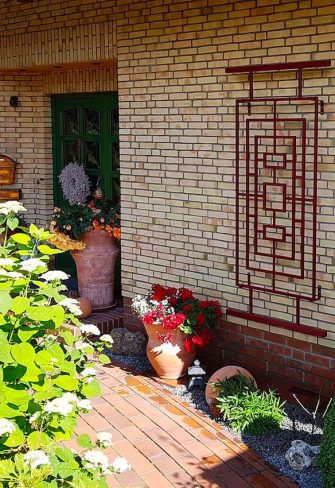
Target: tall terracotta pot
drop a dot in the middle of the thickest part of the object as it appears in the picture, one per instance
(96, 268)
(170, 361)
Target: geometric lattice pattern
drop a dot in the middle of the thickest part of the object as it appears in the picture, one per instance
(276, 195)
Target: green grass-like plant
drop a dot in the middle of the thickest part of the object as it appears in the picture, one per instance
(246, 408)
(326, 460)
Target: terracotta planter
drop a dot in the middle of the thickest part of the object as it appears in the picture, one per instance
(86, 307)
(169, 361)
(220, 375)
(95, 268)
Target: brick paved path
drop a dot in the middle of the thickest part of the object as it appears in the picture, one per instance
(168, 443)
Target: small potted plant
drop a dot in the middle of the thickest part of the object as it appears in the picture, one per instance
(89, 227)
(177, 324)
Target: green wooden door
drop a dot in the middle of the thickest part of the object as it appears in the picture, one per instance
(86, 130)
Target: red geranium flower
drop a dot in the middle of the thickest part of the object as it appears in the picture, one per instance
(159, 293)
(172, 301)
(173, 321)
(188, 345)
(150, 317)
(171, 291)
(203, 303)
(187, 308)
(201, 319)
(203, 339)
(217, 308)
(185, 294)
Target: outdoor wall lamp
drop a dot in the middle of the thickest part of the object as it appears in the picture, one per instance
(14, 101)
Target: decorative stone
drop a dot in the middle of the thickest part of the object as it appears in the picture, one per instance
(128, 343)
(85, 306)
(301, 455)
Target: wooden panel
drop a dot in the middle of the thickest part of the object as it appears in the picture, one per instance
(6, 195)
(7, 170)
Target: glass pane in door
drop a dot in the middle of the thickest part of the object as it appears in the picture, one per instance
(91, 155)
(91, 122)
(70, 122)
(71, 152)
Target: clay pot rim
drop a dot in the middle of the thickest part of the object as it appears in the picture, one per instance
(234, 371)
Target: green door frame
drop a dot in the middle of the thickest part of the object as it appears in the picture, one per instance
(107, 139)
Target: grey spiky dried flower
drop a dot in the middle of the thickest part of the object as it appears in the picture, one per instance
(75, 183)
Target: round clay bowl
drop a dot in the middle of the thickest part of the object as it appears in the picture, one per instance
(220, 375)
(86, 307)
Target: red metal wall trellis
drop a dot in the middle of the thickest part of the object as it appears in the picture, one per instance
(276, 195)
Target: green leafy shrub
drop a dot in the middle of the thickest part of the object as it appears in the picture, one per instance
(326, 460)
(47, 375)
(246, 408)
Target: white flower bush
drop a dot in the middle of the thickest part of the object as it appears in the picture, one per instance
(88, 372)
(120, 465)
(32, 264)
(60, 406)
(55, 276)
(85, 405)
(7, 262)
(89, 329)
(47, 374)
(6, 427)
(72, 305)
(107, 338)
(12, 207)
(36, 458)
(104, 439)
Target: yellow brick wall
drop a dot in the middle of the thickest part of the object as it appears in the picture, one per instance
(178, 155)
(177, 127)
(26, 132)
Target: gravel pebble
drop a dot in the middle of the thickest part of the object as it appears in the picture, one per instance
(139, 364)
(271, 446)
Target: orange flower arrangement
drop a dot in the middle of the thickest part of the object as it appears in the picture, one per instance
(70, 223)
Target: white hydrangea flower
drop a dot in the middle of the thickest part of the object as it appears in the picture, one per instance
(90, 329)
(85, 405)
(15, 275)
(73, 305)
(55, 275)
(120, 465)
(81, 345)
(88, 372)
(70, 397)
(105, 439)
(107, 338)
(11, 207)
(59, 405)
(6, 427)
(32, 264)
(96, 459)
(36, 458)
(6, 262)
(34, 417)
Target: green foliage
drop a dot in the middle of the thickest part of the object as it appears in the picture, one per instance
(46, 373)
(246, 408)
(326, 459)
